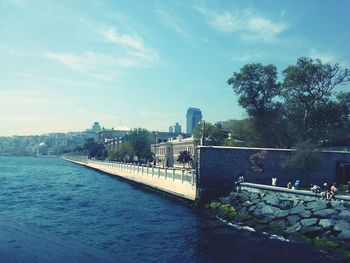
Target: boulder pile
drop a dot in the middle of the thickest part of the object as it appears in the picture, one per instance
(308, 216)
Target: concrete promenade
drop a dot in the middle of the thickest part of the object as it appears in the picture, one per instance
(181, 183)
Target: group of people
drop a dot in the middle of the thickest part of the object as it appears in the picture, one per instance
(295, 186)
(327, 192)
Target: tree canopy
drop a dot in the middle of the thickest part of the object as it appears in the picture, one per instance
(303, 106)
(184, 157)
(214, 134)
(95, 150)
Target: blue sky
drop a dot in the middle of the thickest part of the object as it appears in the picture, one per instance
(65, 64)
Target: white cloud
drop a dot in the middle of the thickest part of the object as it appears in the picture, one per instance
(247, 23)
(49, 78)
(324, 57)
(250, 57)
(70, 60)
(175, 23)
(225, 22)
(126, 40)
(134, 45)
(100, 65)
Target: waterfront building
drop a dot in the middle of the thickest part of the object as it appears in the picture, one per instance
(193, 117)
(166, 153)
(43, 149)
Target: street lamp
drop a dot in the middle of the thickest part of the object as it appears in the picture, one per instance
(203, 133)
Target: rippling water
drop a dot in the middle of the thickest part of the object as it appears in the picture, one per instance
(124, 219)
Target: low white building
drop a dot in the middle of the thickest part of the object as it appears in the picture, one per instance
(166, 153)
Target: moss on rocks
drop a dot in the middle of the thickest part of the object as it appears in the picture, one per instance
(225, 211)
(325, 243)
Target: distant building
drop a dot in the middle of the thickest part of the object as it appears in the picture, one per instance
(108, 134)
(43, 149)
(95, 128)
(166, 153)
(175, 128)
(193, 117)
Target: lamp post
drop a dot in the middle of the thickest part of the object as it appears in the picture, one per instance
(203, 133)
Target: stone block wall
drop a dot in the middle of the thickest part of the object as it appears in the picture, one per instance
(219, 167)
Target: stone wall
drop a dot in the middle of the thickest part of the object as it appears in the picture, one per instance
(305, 214)
(219, 167)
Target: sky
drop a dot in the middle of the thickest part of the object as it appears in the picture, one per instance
(65, 64)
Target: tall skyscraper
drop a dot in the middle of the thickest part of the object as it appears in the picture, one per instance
(193, 117)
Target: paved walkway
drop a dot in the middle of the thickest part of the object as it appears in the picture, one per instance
(175, 187)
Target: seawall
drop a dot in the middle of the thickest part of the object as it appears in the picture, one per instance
(219, 167)
(292, 214)
(180, 183)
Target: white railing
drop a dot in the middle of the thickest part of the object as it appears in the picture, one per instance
(170, 173)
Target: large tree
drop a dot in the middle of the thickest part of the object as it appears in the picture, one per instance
(305, 107)
(308, 91)
(258, 93)
(213, 134)
(94, 149)
(140, 142)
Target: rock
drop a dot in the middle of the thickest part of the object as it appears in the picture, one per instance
(260, 205)
(305, 214)
(225, 200)
(271, 199)
(280, 222)
(312, 231)
(247, 203)
(308, 222)
(325, 213)
(326, 223)
(297, 209)
(254, 196)
(294, 228)
(293, 219)
(281, 213)
(336, 217)
(339, 207)
(255, 201)
(285, 205)
(251, 209)
(345, 214)
(297, 202)
(242, 210)
(267, 210)
(341, 225)
(317, 205)
(257, 212)
(234, 195)
(344, 235)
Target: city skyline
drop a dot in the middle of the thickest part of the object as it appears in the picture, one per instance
(67, 64)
